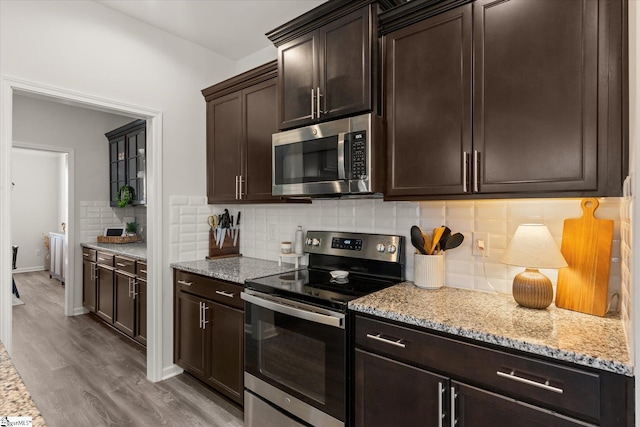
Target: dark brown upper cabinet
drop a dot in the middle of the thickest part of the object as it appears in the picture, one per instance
(505, 99)
(242, 114)
(127, 161)
(327, 62)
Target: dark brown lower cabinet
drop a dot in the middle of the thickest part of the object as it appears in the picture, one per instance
(413, 393)
(104, 303)
(89, 279)
(124, 313)
(209, 332)
(406, 376)
(141, 311)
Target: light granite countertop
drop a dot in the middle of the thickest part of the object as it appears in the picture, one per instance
(235, 269)
(137, 250)
(597, 342)
(15, 400)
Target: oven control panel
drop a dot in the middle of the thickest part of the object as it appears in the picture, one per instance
(380, 247)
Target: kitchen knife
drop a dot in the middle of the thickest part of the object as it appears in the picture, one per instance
(237, 231)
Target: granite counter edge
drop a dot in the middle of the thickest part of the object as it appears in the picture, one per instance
(113, 251)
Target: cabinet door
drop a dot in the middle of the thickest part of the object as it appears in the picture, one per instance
(124, 304)
(390, 393)
(117, 167)
(89, 285)
(261, 115)
(136, 165)
(428, 105)
(104, 304)
(141, 311)
(297, 77)
(345, 65)
(224, 139)
(536, 95)
(225, 355)
(475, 407)
(188, 334)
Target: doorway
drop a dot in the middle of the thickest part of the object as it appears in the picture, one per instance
(73, 294)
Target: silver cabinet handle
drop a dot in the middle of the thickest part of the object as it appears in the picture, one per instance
(119, 264)
(465, 170)
(184, 282)
(225, 294)
(454, 395)
(236, 195)
(312, 104)
(512, 376)
(240, 181)
(200, 315)
(476, 169)
(440, 398)
(204, 315)
(85, 255)
(130, 291)
(397, 343)
(318, 110)
(143, 271)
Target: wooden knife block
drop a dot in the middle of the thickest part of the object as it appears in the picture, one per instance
(227, 250)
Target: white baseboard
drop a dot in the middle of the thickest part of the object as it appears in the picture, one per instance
(28, 269)
(171, 371)
(79, 311)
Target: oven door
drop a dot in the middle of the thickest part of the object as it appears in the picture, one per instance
(295, 357)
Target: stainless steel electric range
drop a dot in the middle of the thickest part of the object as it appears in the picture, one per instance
(297, 359)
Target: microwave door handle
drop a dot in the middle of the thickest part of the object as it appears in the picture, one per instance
(341, 159)
(291, 310)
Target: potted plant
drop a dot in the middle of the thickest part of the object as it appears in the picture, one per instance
(125, 195)
(131, 228)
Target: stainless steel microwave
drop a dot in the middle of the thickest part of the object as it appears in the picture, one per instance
(336, 158)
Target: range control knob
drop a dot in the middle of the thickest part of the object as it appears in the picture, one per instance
(308, 241)
(381, 247)
(315, 242)
(391, 249)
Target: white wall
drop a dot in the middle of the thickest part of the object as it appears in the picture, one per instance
(35, 204)
(86, 48)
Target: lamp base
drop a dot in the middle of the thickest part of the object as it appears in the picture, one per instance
(532, 289)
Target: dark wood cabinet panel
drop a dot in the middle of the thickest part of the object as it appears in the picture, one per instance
(189, 336)
(141, 302)
(475, 407)
(428, 105)
(524, 101)
(261, 122)
(225, 350)
(298, 78)
(536, 95)
(89, 278)
(409, 394)
(124, 305)
(242, 114)
(327, 72)
(224, 128)
(104, 303)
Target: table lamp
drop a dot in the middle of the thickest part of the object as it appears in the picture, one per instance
(533, 247)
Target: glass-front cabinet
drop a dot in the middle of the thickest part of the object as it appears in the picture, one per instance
(127, 164)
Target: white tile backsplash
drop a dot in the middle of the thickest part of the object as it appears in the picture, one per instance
(95, 216)
(264, 226)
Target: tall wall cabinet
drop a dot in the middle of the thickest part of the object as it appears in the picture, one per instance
(242, 114)
(505, 98)
(127, 161)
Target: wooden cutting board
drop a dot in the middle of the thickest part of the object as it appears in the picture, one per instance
(586, 246)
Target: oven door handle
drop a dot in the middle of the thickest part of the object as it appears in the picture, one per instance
(291, 308)
(342, 174)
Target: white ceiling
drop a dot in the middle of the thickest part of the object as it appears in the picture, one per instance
(232, 28)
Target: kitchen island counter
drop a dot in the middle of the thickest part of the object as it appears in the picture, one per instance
(234, 269)
(15, 400)
(597, 342)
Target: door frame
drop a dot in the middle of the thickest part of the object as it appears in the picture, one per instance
(10, 86)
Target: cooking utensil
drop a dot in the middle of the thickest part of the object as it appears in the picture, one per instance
(237, 230)
(453, 241)
(417, 240)
(437, 234)
(586, 246)
(427, 241)
(445, 235)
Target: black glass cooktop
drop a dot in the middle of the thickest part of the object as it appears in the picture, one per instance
(317, 287)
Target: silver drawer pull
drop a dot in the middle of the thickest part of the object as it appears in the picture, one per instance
(512, 376)
(85, 254)
(397, 343)
(143, 271)
(119, 264)
(225, 294)
(184, 282)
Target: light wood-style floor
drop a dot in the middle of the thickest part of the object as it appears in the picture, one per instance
(81, 373)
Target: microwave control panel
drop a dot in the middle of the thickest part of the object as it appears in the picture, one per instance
(358, 155)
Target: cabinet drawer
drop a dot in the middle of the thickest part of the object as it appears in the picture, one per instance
(105, 258)
(206, 287)
(125, 264)
(574, 391)
(141, 269)
(89, 254)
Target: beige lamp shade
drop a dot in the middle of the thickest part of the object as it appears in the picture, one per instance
(532, 246)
